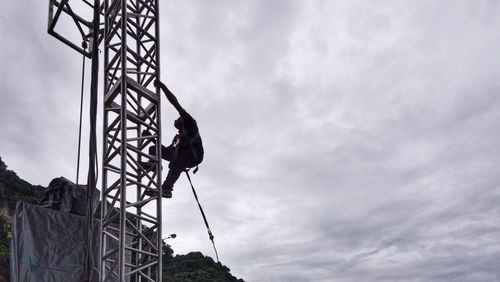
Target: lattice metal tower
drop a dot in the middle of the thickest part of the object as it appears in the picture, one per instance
(131, 244)
(129, 250)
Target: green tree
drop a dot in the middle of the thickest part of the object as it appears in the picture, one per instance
(167, 253)
(3, 166)
(196, 267)
(12, 190)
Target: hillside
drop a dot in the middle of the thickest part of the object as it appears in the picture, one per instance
(12, 190)
(193, 266)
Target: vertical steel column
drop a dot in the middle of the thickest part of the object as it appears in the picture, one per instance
(131, 220)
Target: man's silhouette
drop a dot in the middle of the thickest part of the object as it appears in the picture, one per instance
(186, 150)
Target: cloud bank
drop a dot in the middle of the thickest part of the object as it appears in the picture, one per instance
(345, 141)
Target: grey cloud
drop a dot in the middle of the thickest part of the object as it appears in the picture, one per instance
(345, 141)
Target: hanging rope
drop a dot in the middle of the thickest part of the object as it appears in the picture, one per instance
(84, 45)
(93, 165)
(210, 236)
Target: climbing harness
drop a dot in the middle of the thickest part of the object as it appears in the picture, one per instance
(179, 140)
(184, 140)
(210, 235)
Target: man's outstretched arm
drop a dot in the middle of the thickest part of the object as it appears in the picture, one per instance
(170, 96)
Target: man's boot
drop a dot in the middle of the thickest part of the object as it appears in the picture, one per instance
(166, 191)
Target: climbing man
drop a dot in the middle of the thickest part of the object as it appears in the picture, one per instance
(186, 150)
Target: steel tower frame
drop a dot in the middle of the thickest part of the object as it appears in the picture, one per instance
(131, 243)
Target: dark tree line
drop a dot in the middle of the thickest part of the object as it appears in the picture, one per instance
(194, 267)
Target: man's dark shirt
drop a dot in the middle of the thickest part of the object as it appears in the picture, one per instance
(192, 136)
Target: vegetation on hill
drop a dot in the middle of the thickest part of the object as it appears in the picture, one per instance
(192, 267)
(12, 190)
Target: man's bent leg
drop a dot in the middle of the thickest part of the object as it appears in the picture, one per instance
(166, 152)
(173, 174)
(166, 188)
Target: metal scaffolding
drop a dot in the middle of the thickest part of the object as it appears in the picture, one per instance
(131, 245)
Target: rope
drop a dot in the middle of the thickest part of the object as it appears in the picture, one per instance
(210, 235)
(84, 45)
(93, 162)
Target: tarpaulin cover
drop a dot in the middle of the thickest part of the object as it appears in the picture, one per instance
(66, 196)
(47, 245)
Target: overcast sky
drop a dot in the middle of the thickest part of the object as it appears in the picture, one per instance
(344, 140)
